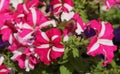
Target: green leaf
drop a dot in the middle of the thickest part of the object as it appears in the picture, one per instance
(75, 53)
(64, 70)
(113, 64)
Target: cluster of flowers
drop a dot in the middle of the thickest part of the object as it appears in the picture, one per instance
(35, 36)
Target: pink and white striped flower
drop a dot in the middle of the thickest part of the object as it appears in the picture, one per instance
(6, 27)
(68, 31)
(4, 69)
(35, 21)
(4, 16)
(48, 45)
(37, 18)
(102, 42)
(25, 57)
(4, 11)
(110, 3)
(25, 7)
(80, 25)
(77, 25)
(4, 5)
(60, 6)
(7, 31)
(66, 35)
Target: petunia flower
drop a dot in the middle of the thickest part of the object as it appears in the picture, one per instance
(48, 45)
(66, 35)
(35, 21)
(25, 57)
(102, 42)
(7, 32)
(4, 69)
(4, 5)
(36, 17)
(60, 6)
(76, 27)
(109, 3)
(25, 7)
(6, 27)
(4, 16)
(117, 1)
(80, 25)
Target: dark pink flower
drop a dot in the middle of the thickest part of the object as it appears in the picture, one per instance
(7, 32)
(60, 6)
(4, 69)
(48, 45)
(6, 25)
(76, 27)
(79, 23)
(102, 42)
(37, 18)
(25, 7)
(4, 16)
(4, 5)
(117, 1)
(110, 3)
(35, 21)
(25, 57)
